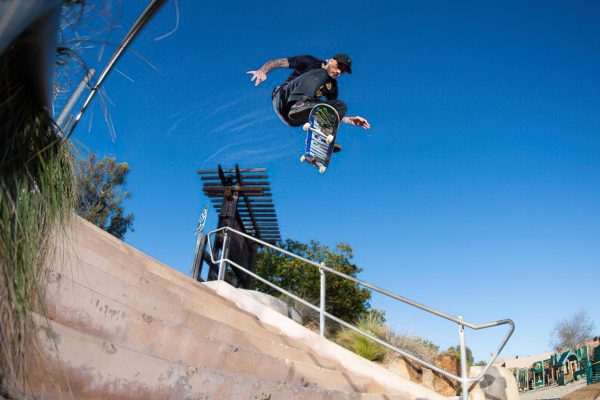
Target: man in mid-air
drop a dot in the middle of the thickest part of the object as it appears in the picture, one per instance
(313, 81)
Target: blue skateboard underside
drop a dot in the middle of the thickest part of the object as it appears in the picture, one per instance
(323, 121)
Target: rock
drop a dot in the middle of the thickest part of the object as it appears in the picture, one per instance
(442, 384)
(497, 384)
(405, 368)
(426, 377)
(399, 367)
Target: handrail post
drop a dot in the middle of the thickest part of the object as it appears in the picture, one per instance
(463, 361)
(322, 305)
(222, 262)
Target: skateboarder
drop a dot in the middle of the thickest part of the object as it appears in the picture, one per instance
(313, 81)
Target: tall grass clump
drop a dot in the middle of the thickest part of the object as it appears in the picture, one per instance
(36, 196)
(362, 345)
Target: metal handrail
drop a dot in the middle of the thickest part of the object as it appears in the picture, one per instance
(464, 379)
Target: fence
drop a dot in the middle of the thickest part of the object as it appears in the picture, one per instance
(463, 378)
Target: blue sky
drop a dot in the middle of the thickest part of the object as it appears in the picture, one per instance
(477, 190)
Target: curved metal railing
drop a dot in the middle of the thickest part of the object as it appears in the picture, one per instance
(463, 379)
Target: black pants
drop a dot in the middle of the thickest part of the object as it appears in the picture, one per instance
(282, 106)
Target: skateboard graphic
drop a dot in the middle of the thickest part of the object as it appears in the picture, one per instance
(321, 130)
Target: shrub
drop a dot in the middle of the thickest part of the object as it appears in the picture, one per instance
(361, 345)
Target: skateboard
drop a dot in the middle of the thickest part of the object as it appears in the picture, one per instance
(321, 130)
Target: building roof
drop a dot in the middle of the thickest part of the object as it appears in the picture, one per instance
(527, 361)
(521, 362)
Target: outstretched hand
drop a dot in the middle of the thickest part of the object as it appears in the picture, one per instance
(259, 76)
(357, 121)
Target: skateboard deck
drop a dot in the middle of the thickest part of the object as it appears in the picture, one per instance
(321, 130)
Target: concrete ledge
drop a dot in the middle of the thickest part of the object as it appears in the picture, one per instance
(349, 360)
(276, 304)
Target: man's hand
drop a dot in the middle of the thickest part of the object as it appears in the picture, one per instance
(259, 76)
(357, 121)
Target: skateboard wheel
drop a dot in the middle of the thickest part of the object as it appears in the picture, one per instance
(303, 158)
(330, 138)
(322, 169)
(306, 126)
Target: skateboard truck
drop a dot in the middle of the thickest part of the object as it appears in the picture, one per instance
(328, 138)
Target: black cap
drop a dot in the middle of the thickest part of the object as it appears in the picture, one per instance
(345, 60)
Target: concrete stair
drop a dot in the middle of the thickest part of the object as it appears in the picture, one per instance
(123, 325)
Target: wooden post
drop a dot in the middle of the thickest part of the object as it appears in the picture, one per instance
(242, 198)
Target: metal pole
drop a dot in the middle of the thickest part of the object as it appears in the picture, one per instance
(222, 263)
(380, 290)
(463, 361)
(73, 99)
(144, 17)
(322, 305)
(543, 374)
(462, 324)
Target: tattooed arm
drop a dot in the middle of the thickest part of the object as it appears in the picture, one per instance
(261, 74)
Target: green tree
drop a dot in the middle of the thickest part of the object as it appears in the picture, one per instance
(345, 299)
(100, 187)
(455, 352)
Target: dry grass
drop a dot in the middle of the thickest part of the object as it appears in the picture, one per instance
(414, 346)
(374, 351)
